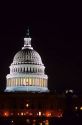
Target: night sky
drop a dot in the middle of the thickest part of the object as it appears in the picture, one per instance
(56, 29)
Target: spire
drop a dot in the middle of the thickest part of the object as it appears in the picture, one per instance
(27, 40)
(28, 33)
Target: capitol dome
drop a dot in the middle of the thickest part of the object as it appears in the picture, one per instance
(27, 72)
(27, 56)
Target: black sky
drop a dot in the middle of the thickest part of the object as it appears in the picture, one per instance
(56, 29)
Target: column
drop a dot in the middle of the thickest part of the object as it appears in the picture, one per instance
(30, 81)
(33, 81)
(38, 81)
(16, 81)
(8, 82)
(21, 81)
(24, 81)
(42, 83)
(27, 82)
(12, 81)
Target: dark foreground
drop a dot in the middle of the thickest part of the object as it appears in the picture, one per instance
(41, 121)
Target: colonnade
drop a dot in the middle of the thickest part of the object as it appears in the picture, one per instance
(27, 69)
(26, 81)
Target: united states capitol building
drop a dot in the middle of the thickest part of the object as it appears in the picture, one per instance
(27, 71)
(27, 92)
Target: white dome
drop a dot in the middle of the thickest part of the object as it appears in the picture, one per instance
(27, 56)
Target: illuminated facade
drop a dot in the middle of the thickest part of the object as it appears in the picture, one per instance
(27, 72)
(31, 104)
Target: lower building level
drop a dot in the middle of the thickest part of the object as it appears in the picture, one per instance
(30, 104)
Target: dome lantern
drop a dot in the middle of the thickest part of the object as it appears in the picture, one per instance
(27, 40)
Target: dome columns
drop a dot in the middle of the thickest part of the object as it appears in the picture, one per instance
(26, 81)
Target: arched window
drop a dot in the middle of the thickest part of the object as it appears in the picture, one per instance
(33, 69)
(38, 70)
(24, 69)
(18, 70)
(14, 69)
(30, 69)
(21, 69)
